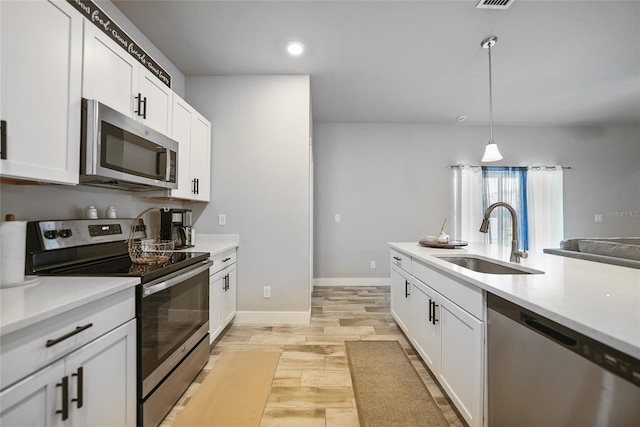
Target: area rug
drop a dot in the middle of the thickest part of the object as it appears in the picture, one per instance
(388, 389)
(234, 393)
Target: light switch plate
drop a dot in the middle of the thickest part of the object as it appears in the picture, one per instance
(222, 219)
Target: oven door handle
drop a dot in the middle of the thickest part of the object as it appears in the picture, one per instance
(150, 289)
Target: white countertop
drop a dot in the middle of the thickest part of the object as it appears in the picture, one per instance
(599, 300)
(49, 296)
(214, 243)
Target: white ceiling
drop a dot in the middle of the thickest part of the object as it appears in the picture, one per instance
(556, 62)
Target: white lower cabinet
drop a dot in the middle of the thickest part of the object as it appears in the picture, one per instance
(461, 366)
(35, 400)
(444, 332)
(425, 326)
(93, 386)
(401, 298)
(229, 295)
(222, 292)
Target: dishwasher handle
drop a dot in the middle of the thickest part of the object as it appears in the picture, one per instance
(548, 331)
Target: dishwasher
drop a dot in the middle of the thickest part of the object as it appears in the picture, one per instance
(541, 373)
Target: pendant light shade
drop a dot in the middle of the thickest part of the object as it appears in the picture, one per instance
(491, 152)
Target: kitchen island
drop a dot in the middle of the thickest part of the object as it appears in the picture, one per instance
(598, 300)
(445, 310)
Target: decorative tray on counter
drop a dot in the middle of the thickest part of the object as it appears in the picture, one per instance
(452, 244)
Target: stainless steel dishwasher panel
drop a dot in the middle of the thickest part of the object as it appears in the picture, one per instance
(543, 374)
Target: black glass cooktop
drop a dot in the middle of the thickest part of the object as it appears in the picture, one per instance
(123, 267)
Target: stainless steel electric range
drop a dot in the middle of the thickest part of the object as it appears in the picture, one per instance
(172, 301)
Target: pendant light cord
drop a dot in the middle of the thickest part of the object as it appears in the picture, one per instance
(490, 98)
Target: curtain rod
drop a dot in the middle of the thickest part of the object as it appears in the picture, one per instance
(531, 167)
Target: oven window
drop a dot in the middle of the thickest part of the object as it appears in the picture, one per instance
(169, 317)
(126, 152)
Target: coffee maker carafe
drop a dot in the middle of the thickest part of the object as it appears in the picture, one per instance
(175, 224)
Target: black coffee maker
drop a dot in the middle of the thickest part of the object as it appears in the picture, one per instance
(176, 225)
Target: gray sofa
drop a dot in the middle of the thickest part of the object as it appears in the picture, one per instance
(623, 251)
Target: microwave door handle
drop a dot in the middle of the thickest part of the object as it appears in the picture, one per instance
(151, 289)
(163, 163)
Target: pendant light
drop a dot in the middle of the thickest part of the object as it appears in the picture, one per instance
(491, 153)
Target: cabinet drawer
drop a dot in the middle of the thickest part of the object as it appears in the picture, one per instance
(401, 260)
(222, 260)
(26, 350)
(466, 296)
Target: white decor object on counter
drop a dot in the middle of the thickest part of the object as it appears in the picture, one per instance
(12, 249)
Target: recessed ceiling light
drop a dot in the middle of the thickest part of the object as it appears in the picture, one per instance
(295, 48)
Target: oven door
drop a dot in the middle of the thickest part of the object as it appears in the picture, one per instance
(173, 318)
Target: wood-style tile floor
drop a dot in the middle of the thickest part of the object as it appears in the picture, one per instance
(312, 385)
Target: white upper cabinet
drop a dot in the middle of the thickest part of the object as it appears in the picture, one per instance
(193, 134)
(40, 90)
(113, 77)
(200, 157)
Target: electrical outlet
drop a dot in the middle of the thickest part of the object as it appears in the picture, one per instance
(266, 292)
(336, 218)
(222, 219)
(598, 217)
(372, 264)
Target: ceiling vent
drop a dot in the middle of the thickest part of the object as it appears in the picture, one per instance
(494, 4)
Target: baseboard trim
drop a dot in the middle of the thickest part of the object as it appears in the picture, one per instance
(351, 281)
(273, 317)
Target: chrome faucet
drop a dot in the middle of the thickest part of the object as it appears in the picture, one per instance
(515, 253)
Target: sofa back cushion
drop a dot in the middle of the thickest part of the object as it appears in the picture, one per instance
(572, 244)
(618, 250)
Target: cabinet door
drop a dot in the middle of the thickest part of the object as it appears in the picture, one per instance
(426, 330)
(102, 378)
(461, 371)
(216, 285)
(201, 158)
(401, 299)
(110, 74)
(229, 296)
(33, 402)
(181, 132)
(40, 69)
(159, 102)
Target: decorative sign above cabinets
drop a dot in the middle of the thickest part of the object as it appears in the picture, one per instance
(93, 13)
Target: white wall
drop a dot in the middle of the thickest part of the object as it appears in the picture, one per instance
(391, 182)
(260, 180)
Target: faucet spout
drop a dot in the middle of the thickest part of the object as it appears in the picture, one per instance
(515, 253)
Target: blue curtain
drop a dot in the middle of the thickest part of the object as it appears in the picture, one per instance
(509, 185)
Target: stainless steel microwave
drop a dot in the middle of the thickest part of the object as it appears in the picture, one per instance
(120, 152)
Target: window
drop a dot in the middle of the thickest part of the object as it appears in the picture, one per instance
(535, 193)
(509, 185)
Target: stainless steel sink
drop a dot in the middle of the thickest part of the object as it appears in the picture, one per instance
(482, 265)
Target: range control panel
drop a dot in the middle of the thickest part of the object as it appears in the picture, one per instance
(71, 233)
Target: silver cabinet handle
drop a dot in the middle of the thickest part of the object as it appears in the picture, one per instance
(152, 288)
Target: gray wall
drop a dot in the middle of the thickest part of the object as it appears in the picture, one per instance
(42, 202)
(260, 181)
(391, 182)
